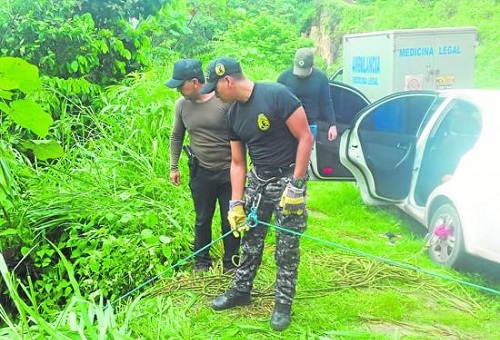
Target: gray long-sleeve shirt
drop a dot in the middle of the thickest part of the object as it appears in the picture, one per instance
(206, 124)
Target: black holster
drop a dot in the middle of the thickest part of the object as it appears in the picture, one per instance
(192, 161)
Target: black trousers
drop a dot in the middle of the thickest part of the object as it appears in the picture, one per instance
(207, 188)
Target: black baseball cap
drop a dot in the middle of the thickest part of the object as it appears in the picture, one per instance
(218, 69)
(185, 69)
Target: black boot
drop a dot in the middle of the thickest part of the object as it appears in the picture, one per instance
(230, 299)
(281, 317)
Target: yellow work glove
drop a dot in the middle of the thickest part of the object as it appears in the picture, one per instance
(293, 200)
(237, 218)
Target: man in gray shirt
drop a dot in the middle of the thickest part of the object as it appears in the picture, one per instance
(204, 117)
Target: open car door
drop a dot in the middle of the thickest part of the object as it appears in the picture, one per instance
(379, 148)
(325, 159)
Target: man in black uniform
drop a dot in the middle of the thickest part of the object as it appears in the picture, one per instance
(270, 121)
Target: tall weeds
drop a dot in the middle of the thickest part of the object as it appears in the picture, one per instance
(81, 318)
(107, 205)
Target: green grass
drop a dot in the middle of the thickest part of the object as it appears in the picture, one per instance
(340, 295)
(110, 209)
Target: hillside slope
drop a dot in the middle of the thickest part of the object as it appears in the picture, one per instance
(336, 18)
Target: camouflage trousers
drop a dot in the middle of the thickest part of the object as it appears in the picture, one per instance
(287, 254)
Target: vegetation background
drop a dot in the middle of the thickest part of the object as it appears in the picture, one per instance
(88, 215)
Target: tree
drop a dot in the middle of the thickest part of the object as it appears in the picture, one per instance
(72, 39)
(107, 12)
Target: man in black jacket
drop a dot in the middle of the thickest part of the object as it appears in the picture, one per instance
(311, 86)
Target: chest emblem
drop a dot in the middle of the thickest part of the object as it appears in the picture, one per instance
(263, 122)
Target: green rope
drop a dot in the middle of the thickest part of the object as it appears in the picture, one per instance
(255, 221)
(179, 263)
(252, 221)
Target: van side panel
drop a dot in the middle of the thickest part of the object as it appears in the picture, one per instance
(380, 63)
(367, 64)
(432, 60)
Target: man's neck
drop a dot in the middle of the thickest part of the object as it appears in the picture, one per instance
(246, 89)
(204, 97)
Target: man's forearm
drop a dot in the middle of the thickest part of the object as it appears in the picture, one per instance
(238, 175)
(175, 152)
(303, 155)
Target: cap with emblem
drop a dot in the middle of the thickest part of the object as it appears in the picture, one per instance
(303, 62)
(185, 69)
(218, 69)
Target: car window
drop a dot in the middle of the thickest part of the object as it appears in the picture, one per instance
(452, 136)
(402, 115)
(465, 119)
(435, 105)
(347, 102)
(460, 118)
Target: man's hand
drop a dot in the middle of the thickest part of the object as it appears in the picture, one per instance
(293, 200)
(175, 177)
(237, 218)
(332, 133)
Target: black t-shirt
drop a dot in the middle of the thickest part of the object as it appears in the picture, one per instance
(260, 124)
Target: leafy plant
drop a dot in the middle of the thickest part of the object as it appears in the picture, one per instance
(106, 204)
(63, 40)
(18, 78)
(81, 318)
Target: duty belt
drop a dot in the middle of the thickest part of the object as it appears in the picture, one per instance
(265, 172)
(264, 176)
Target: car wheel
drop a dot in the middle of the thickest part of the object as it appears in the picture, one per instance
(446, 237)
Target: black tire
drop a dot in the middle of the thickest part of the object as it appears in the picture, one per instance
(447, 240)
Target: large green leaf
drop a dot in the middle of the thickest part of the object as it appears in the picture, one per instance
(45, 149)
(4, 107)
(16, 73)
(9, 231)
(30, 115)
(6, 94)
